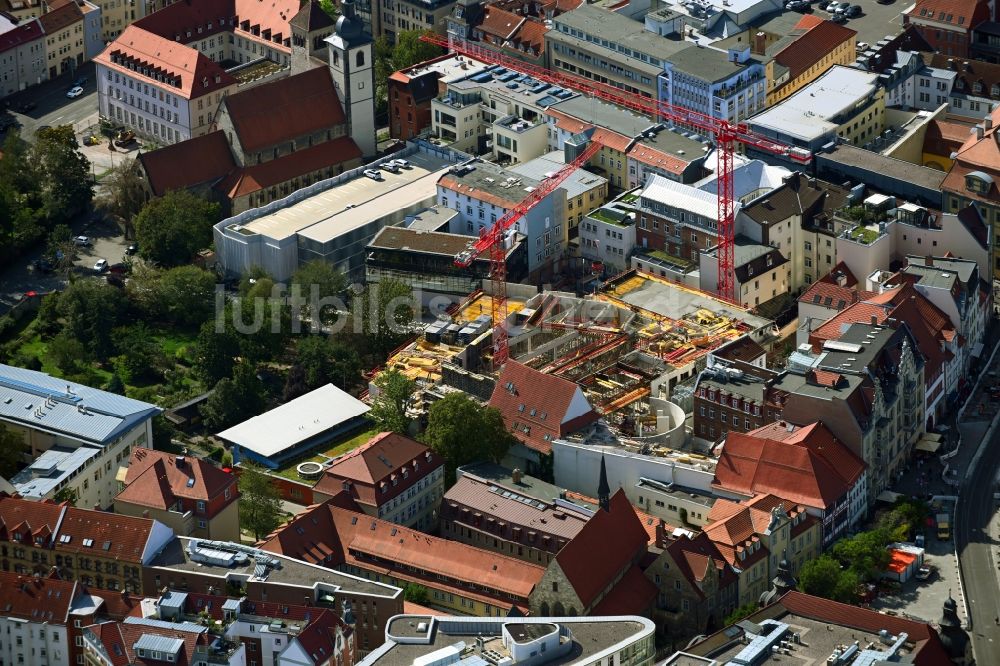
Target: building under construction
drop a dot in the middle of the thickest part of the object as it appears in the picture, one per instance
(628, 345)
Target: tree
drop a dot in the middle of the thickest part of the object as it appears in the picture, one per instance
(865, 552)
(67, 494)
(330, 8)
(187, 294)
(824, 577)
(415, 594)
(20, 198)
(407, 51)
(260, 501)
(295, 383)
(59, 246)
(392, 391)
(215, 353)
(319, 276)
(163, 434)
(387, 312)
(740, 613)
(312, 354)
(115, 385)
(139, 354)
(171, 229)
(63, 171)
(13, 448)
(66, 352)
(234, 400)
(123, 194)
(462, 431)
(92, 310)
(345, 364)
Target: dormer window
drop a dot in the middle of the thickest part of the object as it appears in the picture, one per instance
(977, 87)
(978, 182)
(995, 90)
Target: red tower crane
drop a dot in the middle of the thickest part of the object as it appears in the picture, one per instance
(725, 134)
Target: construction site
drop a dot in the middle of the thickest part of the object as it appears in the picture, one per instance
(635, 341)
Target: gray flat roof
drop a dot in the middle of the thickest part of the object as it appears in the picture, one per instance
(920, 176)
(591, 636)
(707, 63)
(333, 212)
(578, 183)
(292, 572)
(52, 468)
(38, 401)
(618, 30)
(964, 268)
(492, 179)
(604, 114)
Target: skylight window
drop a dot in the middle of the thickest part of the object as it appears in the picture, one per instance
(88, 542)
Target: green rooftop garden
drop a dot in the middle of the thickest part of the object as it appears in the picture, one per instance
(680, 262)
(605, 215)
(863, 235)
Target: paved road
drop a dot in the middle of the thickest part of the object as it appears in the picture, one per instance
(53, 107)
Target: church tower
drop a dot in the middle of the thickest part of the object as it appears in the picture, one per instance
(351, 58)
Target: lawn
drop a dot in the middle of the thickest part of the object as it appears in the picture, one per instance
(329, 450)
(863, 235)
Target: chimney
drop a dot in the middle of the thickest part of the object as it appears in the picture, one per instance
(874, 320)
(759, 41)
(928, 260)
(979, 132)
(661, 532)
(515, 476)
(145, 513)
(841, 279)
(988, 122)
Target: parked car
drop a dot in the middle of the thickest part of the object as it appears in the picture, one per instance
(75, 91)
(42, 265)
(373, 174)
(797, 5)
(81, 241)
(401, 163)
(131, 249)
(884, 2)
(862, 47)
(101, 265)
(853, 11)
(924, 572)
(839, 19)
(24, 107)
(80, 82)
(842, 8)
(921, 540)
(390, 167)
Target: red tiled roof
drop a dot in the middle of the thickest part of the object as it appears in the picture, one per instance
(805, 466)
(285, 109)
(827, 293)
(531, 35)
(154, 479)
(929, 650)
(649, 522)
(959, 14)
(109, 634)
(28, 31)
(606, 545)
(261, 176)
(205, 18)
(329, 534)
(110, 535)
(657, 158)
(450, 182)
(34, 599)
(945, 137)
(377, 463)
(30, 518)
(538, 407)
(57, 19)
(814, 45)
(808, 22)
(977, 155)
(116, 605)
(499, 23)
(198, 74)
(202, 159)
(131, 633)
(692, 557)
(632, 595)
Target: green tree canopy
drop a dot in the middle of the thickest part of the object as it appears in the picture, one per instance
(407, 51)
(123, 192)
(91, 310)
(171, 229)
(67, 494)
(462, 431)
(215, 353)
(393, 390)
(187, 294)
(416, 594)
(865, 552)
(64, 173)
(388, 311)
(13, 448)
(260, 501)
(323, 278)
(824, 577)
(234, 400)
(140, 357)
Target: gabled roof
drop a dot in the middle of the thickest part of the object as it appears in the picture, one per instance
(813, 46)
(55, 20)
(30, 519)
(827, 292)
(201, 159)
(959, 14)
(538, 407)
(27, 31)
(196, 74)
(376, 469)
(605, 547)
(285, 109)
(693, 557)
(41, 600)
(499, 23)
(103, 534)
(256, 177)
(155, 479)
(336, 533)
(806, 465)
(632, 595)
(312, 18)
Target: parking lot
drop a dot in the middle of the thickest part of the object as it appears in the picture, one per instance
(875, 22)
(923, 599)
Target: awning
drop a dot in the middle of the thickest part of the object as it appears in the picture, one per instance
(933, 436)
(889, 497)
(928, 445)
(977, 350)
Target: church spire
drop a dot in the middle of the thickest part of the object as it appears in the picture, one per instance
(603, 489)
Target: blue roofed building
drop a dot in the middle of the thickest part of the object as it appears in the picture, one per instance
(77, 436)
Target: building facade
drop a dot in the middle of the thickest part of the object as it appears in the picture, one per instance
(22, 56)
(729, 85)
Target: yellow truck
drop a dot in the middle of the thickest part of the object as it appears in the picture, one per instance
(943, 526)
